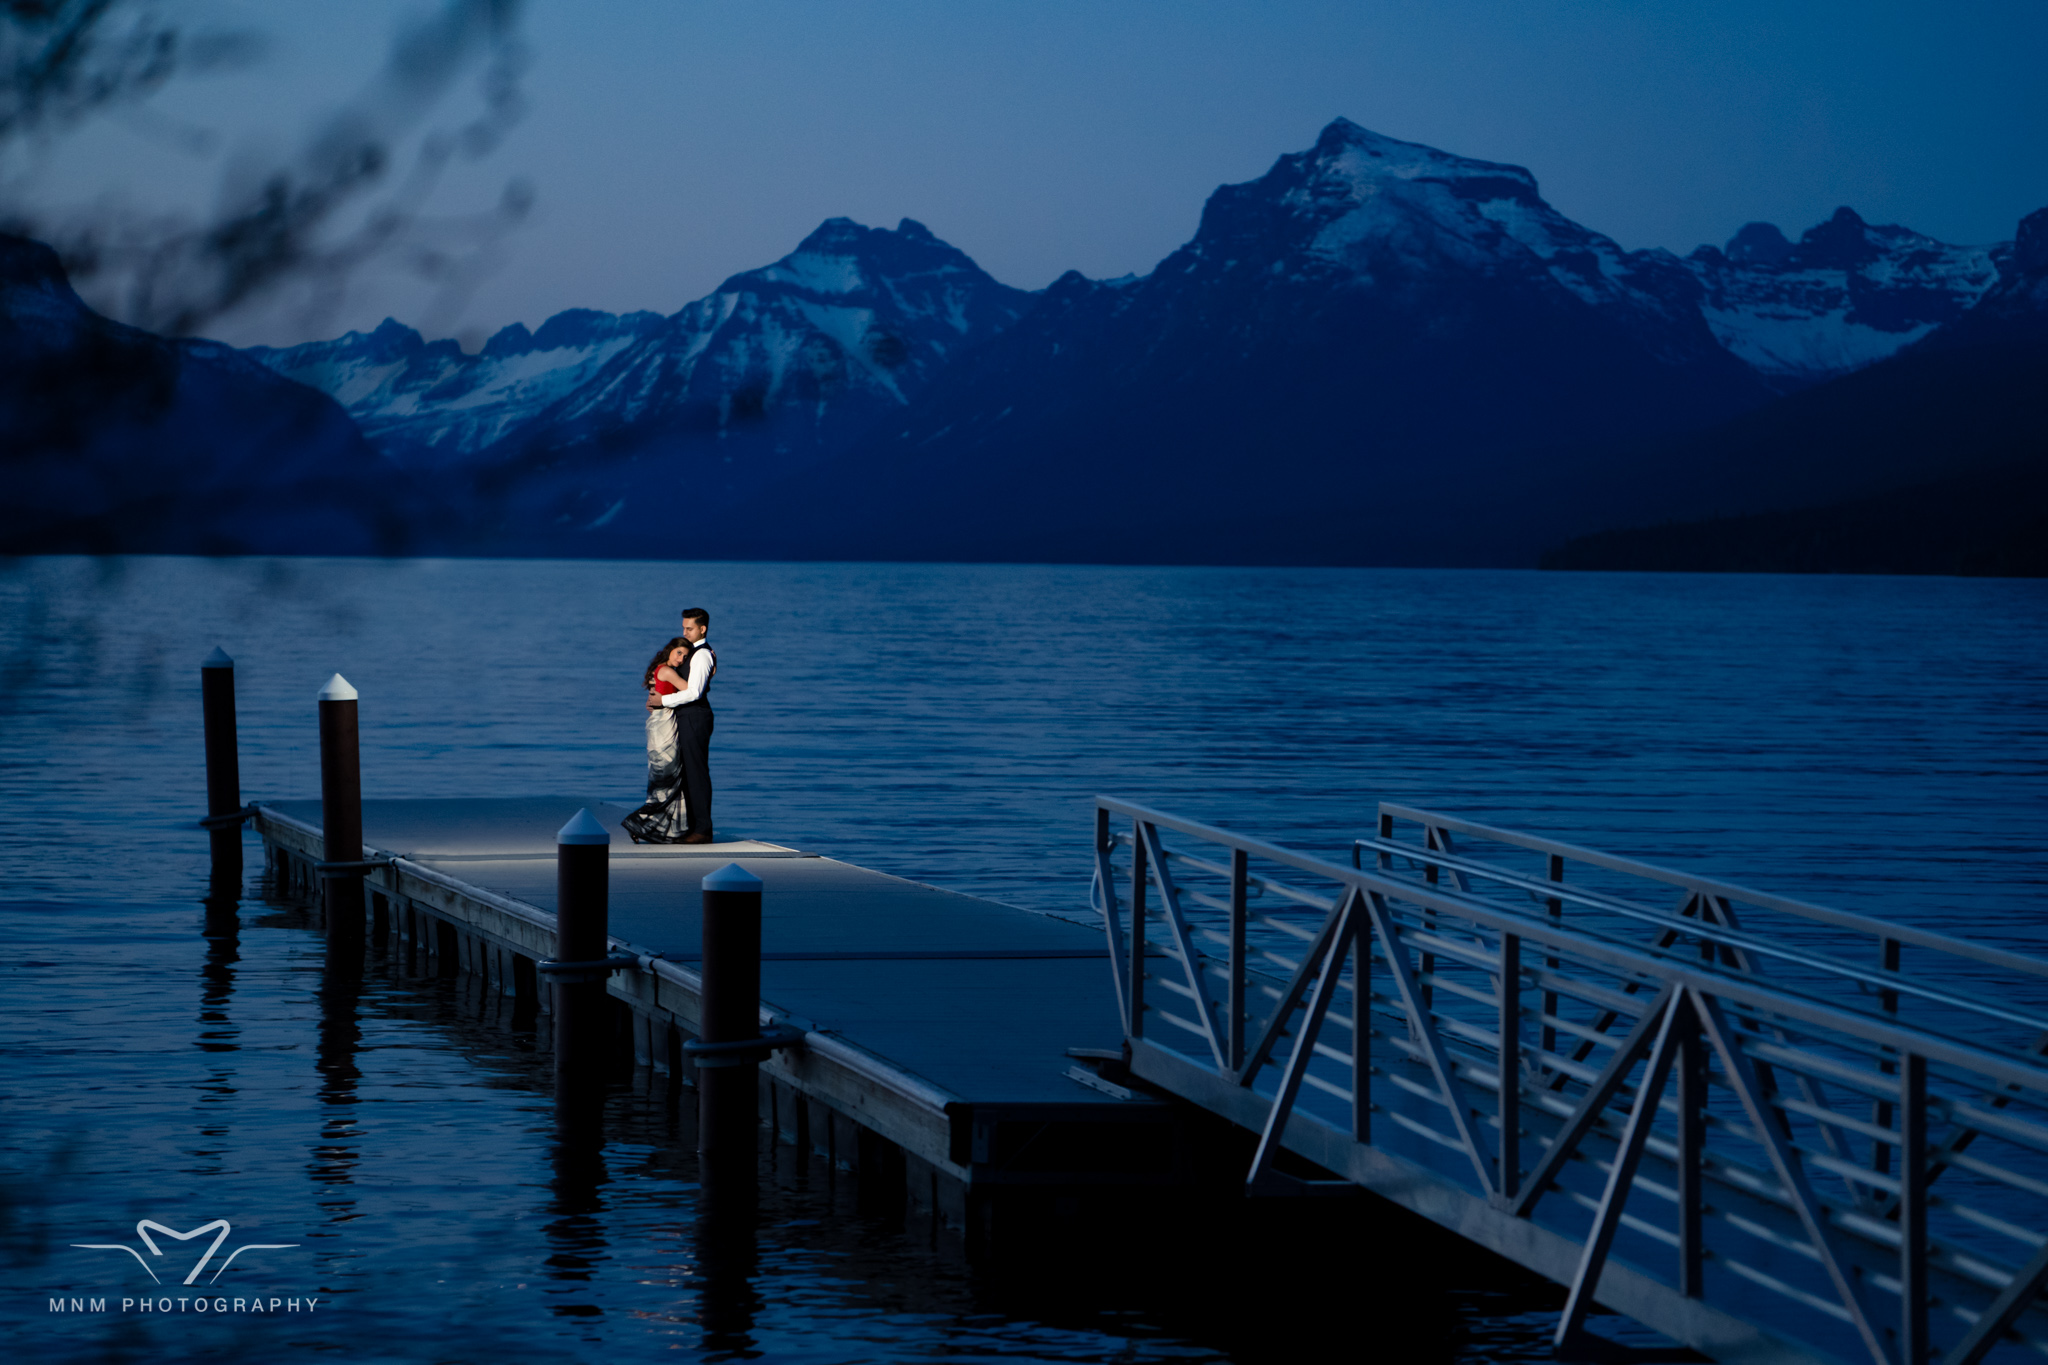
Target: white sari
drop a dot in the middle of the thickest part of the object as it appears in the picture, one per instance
(662, 820)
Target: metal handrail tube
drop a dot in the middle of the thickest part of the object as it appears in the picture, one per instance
(1417, 928)
(1459, 989)
(1876, 1087)
(2018, 1068)
(1567, 986)
(1170, 1017)
(1578, 989)
(1820, 1113)
(1766, 1280)
(1293, 893)
(1587, 992)
(1470, 955)
(1703, 929)
(2032, 1241)
(1323, 1049)
(1991, 1170)
(1291, 930)
(1844, 919)
(1992, 1121)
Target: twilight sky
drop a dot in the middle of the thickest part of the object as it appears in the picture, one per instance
(670, 143)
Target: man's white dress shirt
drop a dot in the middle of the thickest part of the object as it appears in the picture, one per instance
(699, 679)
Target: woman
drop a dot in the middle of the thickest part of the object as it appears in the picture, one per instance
(661, 820)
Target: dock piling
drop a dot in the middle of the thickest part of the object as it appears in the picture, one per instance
(728, 1081)
(582, 937)
(223, 768)
(341, 818)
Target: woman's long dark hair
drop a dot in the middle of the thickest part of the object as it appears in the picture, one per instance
(647, 680)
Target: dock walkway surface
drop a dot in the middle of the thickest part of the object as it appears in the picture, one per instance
(936, 1021)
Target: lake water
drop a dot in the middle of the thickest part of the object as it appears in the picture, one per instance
(1878, 744)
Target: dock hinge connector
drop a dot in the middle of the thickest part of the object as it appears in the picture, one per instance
(232, 817)
(742, 1051)
(590, 969)
(334, 871)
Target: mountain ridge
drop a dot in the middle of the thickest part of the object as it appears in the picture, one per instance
(1371, 318)
(1375, 352)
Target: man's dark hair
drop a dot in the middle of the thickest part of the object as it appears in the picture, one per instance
(699, 615)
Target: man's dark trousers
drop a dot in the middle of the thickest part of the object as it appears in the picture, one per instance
(693, 745)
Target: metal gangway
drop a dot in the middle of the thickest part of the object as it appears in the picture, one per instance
(1768, 1129)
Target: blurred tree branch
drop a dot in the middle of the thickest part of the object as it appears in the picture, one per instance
(354, 192)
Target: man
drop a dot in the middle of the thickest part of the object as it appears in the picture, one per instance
(692, 706)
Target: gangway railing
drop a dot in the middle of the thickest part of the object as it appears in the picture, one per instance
(1732, 1116)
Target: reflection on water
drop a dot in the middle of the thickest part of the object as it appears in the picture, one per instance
(406, 1147)
(727, 1258)
(181, 1053)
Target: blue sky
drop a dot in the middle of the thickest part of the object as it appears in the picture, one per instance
(670, 143)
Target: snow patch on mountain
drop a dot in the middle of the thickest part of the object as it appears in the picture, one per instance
(1846, 295)
(428, 403)
(1379, 213)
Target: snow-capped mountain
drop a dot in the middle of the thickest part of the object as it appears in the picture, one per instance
(625, 424)
(1364, 212)
(1372, 333)
(1376, 352)
(1847, 294)
(427, 404)
(854, 312)
(1933, 460)
(779, 369)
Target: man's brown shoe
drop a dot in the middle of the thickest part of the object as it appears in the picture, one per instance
(699, 836)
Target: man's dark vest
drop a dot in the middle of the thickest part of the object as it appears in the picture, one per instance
(704, 697)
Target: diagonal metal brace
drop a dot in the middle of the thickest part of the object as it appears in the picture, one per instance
(1304, 1043)
(1425, 1031)
(1621, 1176)
(1742, 1076)
(1184, 941)
(1594, 1102)
(1276, 1025)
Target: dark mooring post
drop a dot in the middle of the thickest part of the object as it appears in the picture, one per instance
(728, 1082)
(223, 770)
(341, 820)
(583, 870)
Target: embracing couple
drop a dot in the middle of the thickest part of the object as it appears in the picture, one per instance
(678, 809)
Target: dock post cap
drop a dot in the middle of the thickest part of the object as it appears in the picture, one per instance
(583, 828)
(218, 659)
(732, 877)
(337, 689)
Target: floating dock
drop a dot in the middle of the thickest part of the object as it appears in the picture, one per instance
(1772, 1130)
(950, 1043)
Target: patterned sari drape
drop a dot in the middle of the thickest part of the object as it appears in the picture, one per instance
(661, 820)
